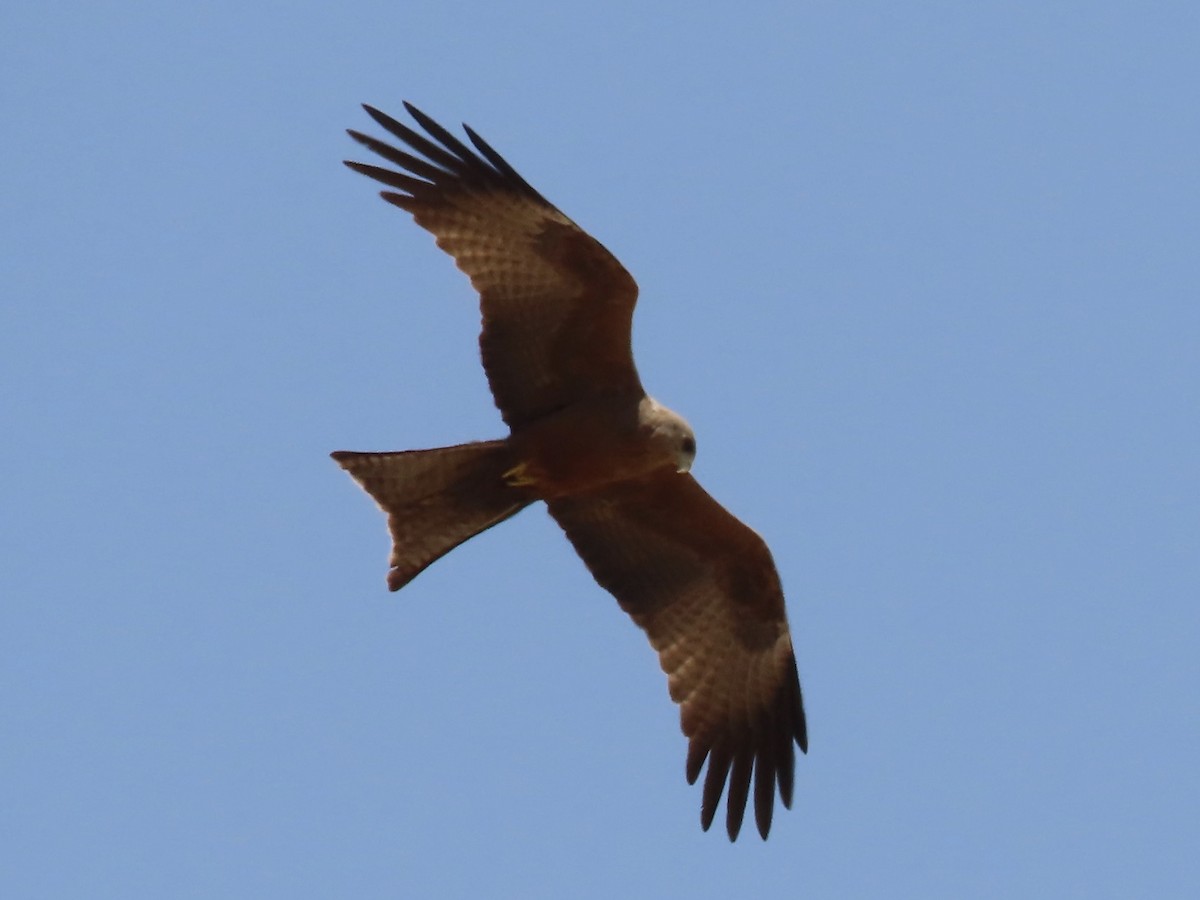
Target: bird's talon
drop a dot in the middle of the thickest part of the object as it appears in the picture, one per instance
(517, 476)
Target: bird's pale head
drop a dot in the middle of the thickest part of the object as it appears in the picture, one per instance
(669, 433)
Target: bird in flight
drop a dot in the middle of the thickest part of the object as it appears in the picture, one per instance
(610, 463)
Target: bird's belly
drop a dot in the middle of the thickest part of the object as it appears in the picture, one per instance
(580, 450)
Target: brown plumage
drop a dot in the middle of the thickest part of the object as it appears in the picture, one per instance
(610, 463)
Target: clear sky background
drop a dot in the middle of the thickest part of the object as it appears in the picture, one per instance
(924, 278)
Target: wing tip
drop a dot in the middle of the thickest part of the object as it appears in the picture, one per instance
(767, 759)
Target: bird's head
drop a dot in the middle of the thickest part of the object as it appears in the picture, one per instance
(670, 434)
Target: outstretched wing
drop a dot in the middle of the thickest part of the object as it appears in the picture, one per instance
(706, 591)
(557, 306)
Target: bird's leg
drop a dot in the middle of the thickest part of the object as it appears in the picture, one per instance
(518, 476)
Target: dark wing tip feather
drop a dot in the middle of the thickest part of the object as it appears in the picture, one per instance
(764, 796)
(697, 754)
(500, 162)
(764, 754)
(406, 134)
(739, 790)
(387, 176)
(440, 134)
(443, 162)
(785, 770)
(404, 201)
(714, 784)
(801, 732)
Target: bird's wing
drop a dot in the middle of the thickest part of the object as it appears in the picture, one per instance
(557, 306)
(705, 589)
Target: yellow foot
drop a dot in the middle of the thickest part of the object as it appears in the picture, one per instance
(518, 476)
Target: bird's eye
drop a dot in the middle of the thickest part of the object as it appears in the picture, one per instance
(689, 446)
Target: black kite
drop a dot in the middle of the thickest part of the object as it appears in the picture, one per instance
(609, 462)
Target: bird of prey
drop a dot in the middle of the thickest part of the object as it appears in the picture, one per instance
(610, 463)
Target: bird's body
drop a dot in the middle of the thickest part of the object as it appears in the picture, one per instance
(599, 441)
(610, 462)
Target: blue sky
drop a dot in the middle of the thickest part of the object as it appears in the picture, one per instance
(923, 277)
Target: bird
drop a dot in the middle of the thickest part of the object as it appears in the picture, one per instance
(612, 464)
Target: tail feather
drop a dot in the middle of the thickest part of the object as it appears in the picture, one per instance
(435, 499)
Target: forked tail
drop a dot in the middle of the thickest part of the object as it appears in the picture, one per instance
(435, 499)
